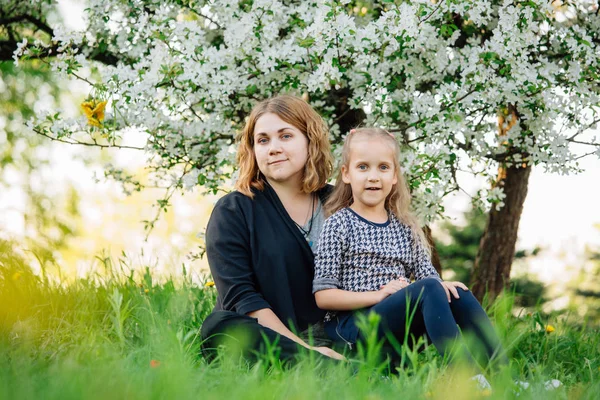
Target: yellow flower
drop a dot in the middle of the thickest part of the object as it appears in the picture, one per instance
(549, 329)
(16, 276)
(146, 290)
(209, 284)
(94, 111)
(486, 393)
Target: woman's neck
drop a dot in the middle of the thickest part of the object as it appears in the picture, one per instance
(286, 190)
(294, 200)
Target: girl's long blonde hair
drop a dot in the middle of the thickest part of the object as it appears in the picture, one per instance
(398, 201)
(301, 115)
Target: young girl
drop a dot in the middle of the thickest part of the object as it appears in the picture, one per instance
(372, 246)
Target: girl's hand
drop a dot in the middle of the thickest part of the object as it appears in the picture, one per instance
(392, 287)
(450, 287)
(326, 351)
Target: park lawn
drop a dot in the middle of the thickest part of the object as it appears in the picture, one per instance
(127, 336)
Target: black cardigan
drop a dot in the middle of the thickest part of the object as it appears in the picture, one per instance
(259, 259)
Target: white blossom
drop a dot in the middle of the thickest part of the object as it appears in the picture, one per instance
(19, 51)
(439, 79)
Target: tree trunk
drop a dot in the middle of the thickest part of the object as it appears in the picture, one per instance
(491, 271)
(346, 118)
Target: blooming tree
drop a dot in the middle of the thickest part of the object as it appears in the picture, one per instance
(488, 87)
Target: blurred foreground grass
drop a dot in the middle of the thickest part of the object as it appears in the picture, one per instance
(123, 335)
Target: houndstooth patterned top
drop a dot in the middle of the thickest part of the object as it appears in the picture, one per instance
(358, 255)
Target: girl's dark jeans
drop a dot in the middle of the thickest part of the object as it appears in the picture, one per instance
(432, 317)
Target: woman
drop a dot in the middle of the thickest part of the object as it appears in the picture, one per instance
(260, 238)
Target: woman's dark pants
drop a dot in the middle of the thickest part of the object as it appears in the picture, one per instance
(241, 336)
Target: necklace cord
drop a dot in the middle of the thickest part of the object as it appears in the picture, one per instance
(311, 216)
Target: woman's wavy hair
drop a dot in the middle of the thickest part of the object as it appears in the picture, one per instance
(398, 201)
(301, 115)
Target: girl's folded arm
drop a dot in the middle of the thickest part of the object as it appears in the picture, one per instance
(340, 300)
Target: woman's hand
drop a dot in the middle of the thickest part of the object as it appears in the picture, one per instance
(450, 287)
(326, 351)
(392, 287)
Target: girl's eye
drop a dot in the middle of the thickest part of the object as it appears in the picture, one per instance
(384, 167)
(362, 167)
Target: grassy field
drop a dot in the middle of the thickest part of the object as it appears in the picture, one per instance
(123, 335)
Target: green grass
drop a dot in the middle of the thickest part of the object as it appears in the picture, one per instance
(127, 336)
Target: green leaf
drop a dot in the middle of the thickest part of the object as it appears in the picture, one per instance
(306, 43)
(252, 89)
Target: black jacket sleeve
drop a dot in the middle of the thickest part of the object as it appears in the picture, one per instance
(230, 259)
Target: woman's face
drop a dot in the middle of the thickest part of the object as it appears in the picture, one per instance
(281, 149)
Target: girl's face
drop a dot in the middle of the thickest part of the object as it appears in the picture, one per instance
(370, 172)
(281, 149)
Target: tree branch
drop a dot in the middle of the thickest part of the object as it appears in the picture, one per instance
(202, 15)
(35, 21)
(431, 13)
(585, 155)
(163, 203)
(442, 108)
(77, 142)
(585, 143)
(339, 118)
(579, 132)
(8, 47)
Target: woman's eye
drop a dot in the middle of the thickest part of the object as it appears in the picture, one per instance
(262, 141)
(286, 136)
